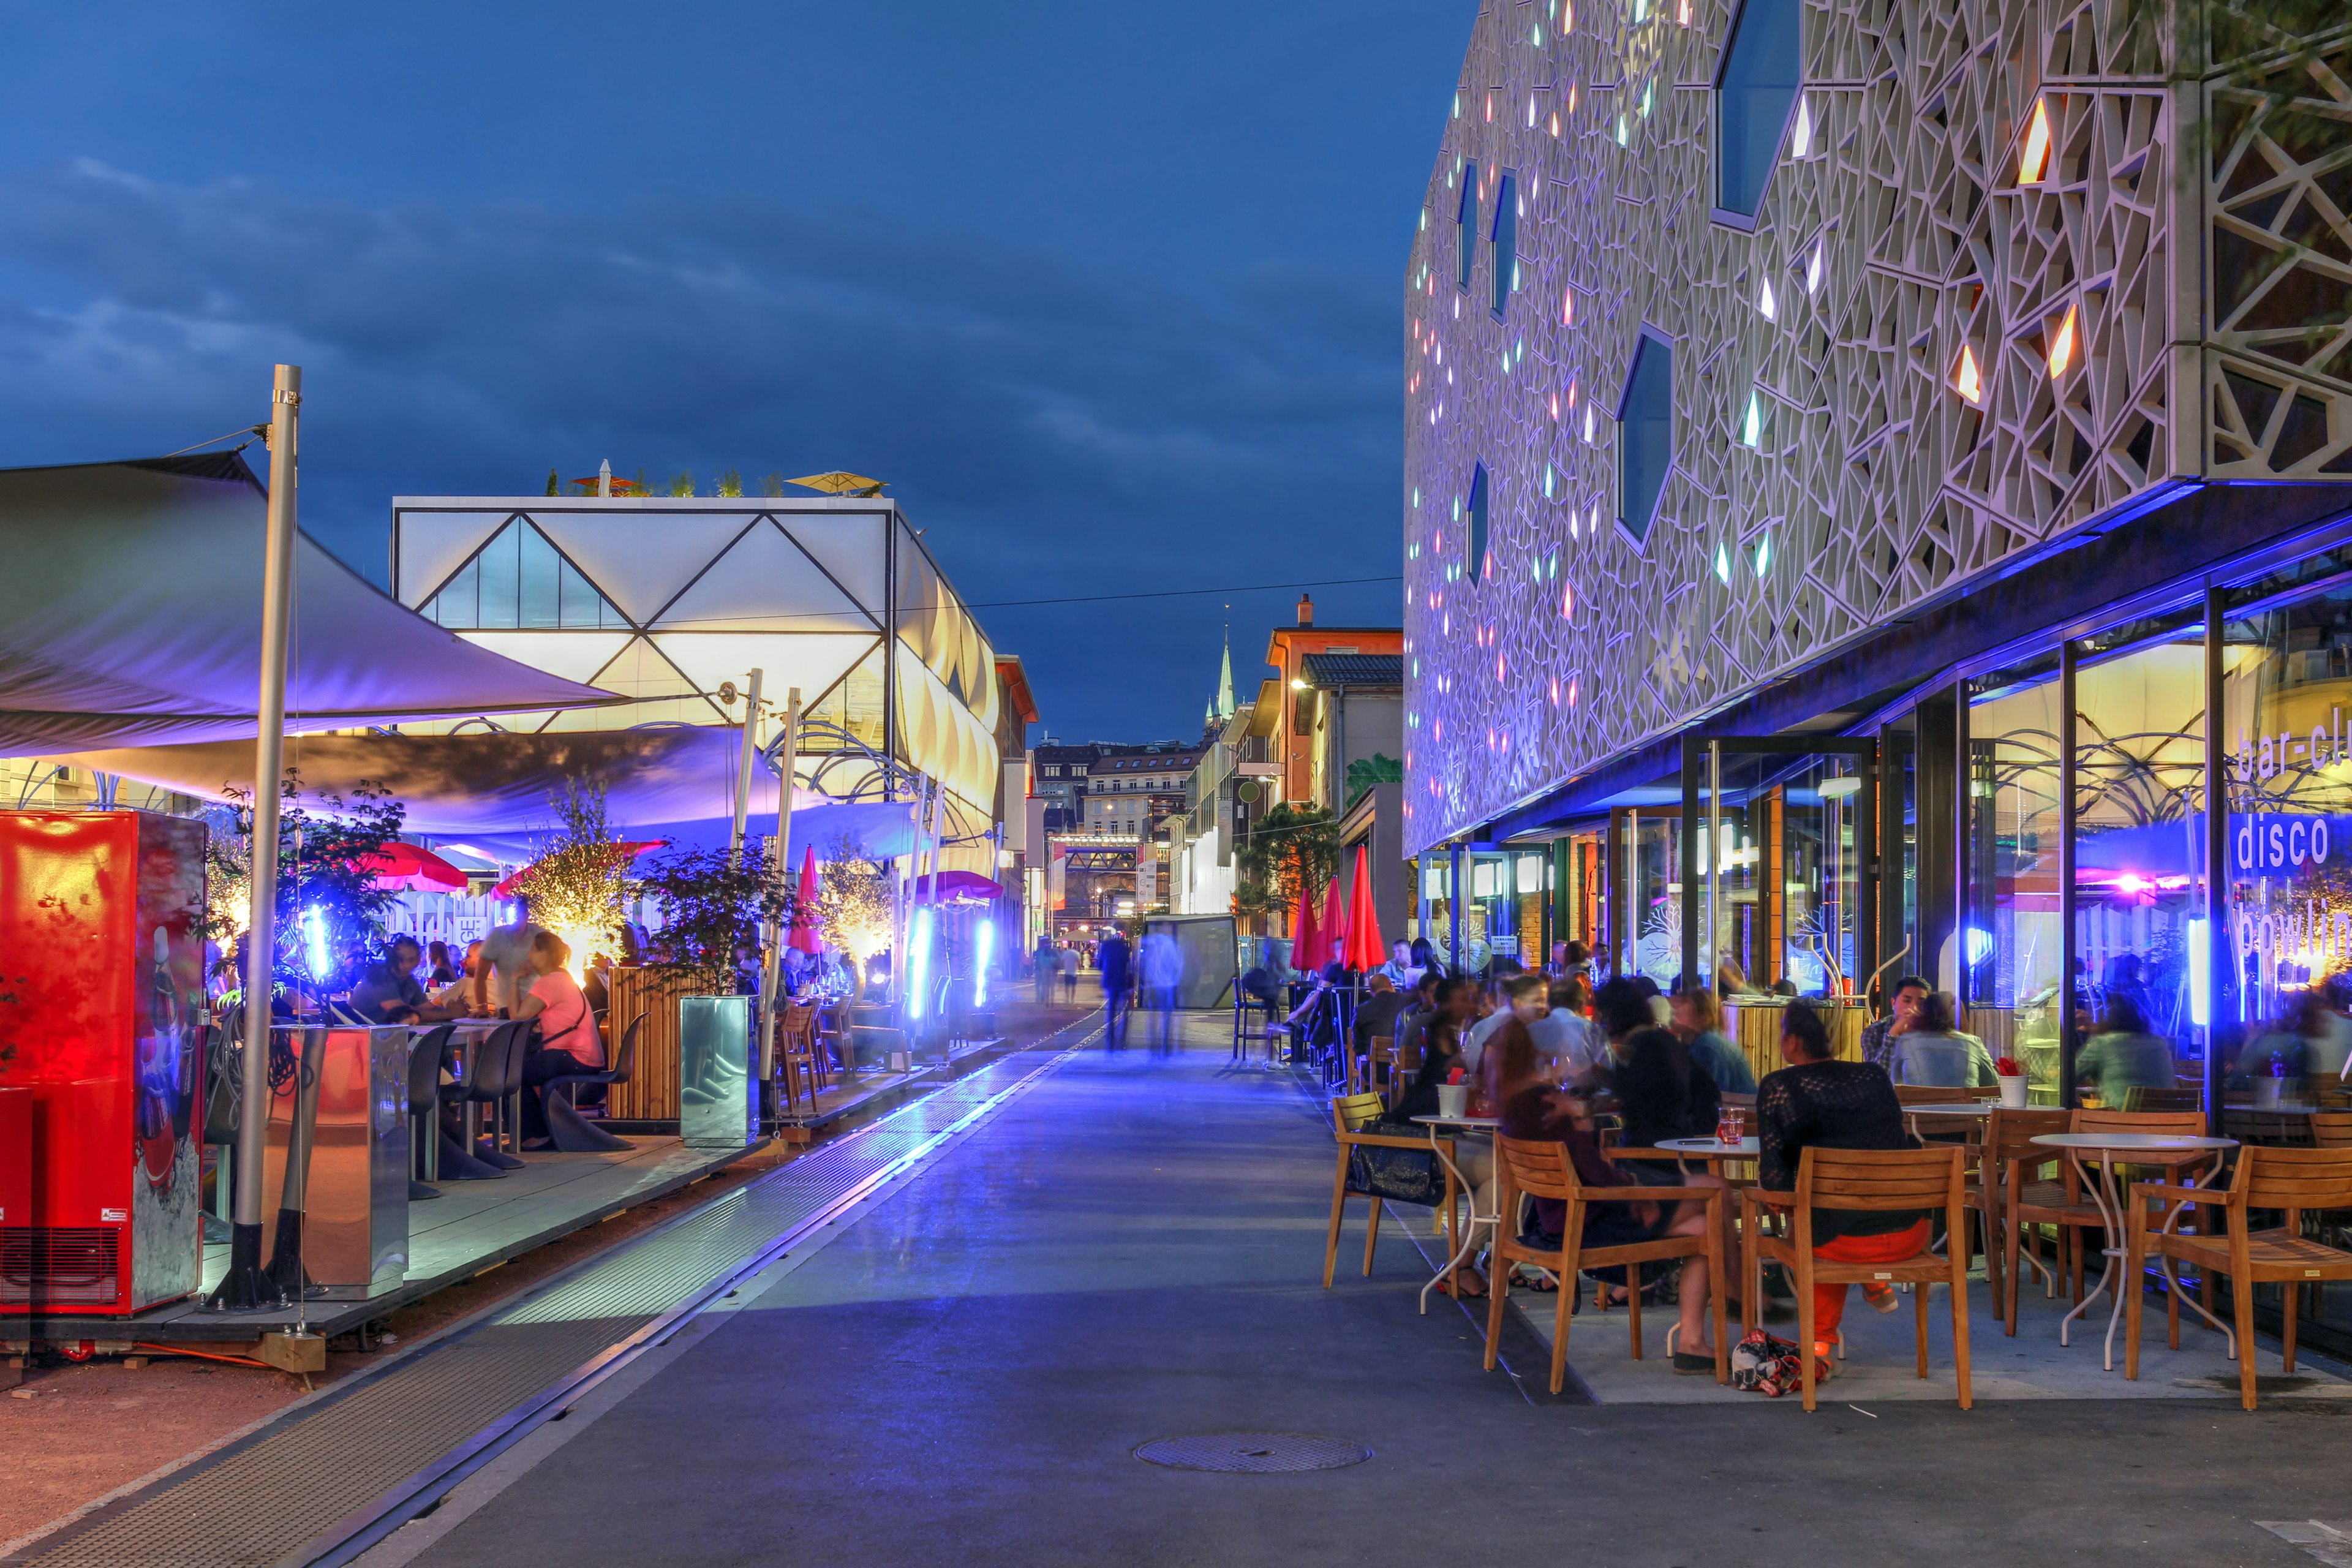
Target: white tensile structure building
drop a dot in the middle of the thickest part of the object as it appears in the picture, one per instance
(668, 600)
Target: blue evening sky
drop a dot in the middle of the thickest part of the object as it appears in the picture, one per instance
(1110, 292)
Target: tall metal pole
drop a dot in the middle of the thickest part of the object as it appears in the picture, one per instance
(743, 773)
(780, 869)
(245, 1287)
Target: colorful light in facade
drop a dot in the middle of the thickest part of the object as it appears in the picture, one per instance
(1965, 380)
(2062, 345)
(2033, 160)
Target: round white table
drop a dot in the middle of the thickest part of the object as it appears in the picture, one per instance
(1957, 1107)
(2106, 1150)
(1691, 1149)
(1467, 1249)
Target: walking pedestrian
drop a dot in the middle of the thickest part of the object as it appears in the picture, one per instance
(1069, 967)
(1047, 962)
(1162, 963)
(1113, 959)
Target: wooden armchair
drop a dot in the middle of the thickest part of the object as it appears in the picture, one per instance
(1543, 1170)
(2288, 1180)
(2009, 1182)
(1350, 1114)
(1865, 1179)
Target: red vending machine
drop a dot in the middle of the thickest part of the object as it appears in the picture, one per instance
(102, 986)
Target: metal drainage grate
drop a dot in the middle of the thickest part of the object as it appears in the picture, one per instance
(1253, 1452)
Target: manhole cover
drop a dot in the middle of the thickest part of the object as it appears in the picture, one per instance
(1253, 1452)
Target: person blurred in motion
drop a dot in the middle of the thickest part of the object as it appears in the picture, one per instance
(1698, 1024)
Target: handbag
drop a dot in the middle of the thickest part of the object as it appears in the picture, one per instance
(1763, 1364)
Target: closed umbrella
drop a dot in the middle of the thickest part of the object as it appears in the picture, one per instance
(1364, 950)
(1331, 935)
(1302, 931)
(805, 903)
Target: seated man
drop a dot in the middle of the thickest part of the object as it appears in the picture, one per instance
(388, 992)
(1816, 1102)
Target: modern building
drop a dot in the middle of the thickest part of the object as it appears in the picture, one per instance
(671, 601)
(1878, 498)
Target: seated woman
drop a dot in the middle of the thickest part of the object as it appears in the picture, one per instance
(1936, 1055)
(567, 1042)
(1661, 1092)
(1533, 1110)
(1816, 1102)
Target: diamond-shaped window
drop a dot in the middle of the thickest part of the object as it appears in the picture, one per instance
(1756, 90)
(519, 581)
(1646, 416)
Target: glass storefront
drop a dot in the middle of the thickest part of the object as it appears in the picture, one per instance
(2011, 945)
(2138, 864)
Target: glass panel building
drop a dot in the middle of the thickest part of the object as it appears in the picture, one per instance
(1982, 608)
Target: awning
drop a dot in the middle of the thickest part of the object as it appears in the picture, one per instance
(495, 791)
(130, 611)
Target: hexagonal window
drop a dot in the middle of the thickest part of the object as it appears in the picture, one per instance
(1755, 90)
(1645, 419)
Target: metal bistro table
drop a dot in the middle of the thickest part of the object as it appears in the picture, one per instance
(1707, 1148)
(1467, 1242)
(2171, 1151)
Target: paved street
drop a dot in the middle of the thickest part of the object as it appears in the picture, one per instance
(1131, 1251)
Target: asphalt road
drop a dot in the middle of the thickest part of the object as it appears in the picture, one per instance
(1132, 1250)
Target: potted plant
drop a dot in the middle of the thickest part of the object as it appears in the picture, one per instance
(712, 907)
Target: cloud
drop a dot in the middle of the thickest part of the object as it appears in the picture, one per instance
(1056, 427)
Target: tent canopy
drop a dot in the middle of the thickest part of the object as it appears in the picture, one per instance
(495, 790)
(130, 611)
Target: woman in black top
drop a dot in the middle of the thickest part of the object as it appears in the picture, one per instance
(1817, 1103)
(1661, 1092)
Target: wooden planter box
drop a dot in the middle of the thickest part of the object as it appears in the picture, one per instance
(651, 1093)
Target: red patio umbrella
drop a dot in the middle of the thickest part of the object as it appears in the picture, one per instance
(1331, 935)
(1363, 950)
(804, 902)
(1302, 932)
(412, 869)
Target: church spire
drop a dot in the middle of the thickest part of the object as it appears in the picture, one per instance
(1224, 709)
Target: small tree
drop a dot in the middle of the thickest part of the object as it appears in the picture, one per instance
(773, 485)
(553, 484)
(1288, 848)
(855, 906)
(684, 484)
(710, 904)
(580, 883)
(731, 483)
(321, 879)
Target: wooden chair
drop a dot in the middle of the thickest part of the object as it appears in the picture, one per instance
(1404, 1066)
(1350, 1113)
(1866, 1179)
(797, 1055)
(2178, 1124)
(2008, 1180)
(1927, 1094)
(2164, 1099)
(1543, 1170)
(1379, 1064)
(2331, 1128)
(2289, 1180)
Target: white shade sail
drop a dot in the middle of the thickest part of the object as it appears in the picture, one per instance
(130, 612)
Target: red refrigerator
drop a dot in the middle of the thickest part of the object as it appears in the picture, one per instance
(101, 983)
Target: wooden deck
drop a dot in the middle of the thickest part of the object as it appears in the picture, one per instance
(471, 1227)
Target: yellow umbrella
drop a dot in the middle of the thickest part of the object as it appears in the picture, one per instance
(839, 483)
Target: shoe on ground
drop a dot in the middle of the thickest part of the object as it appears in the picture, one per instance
(1881, 1298)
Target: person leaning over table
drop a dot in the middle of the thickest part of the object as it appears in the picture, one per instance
(505, 975)
(1815, 1102)
(566, 1042)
